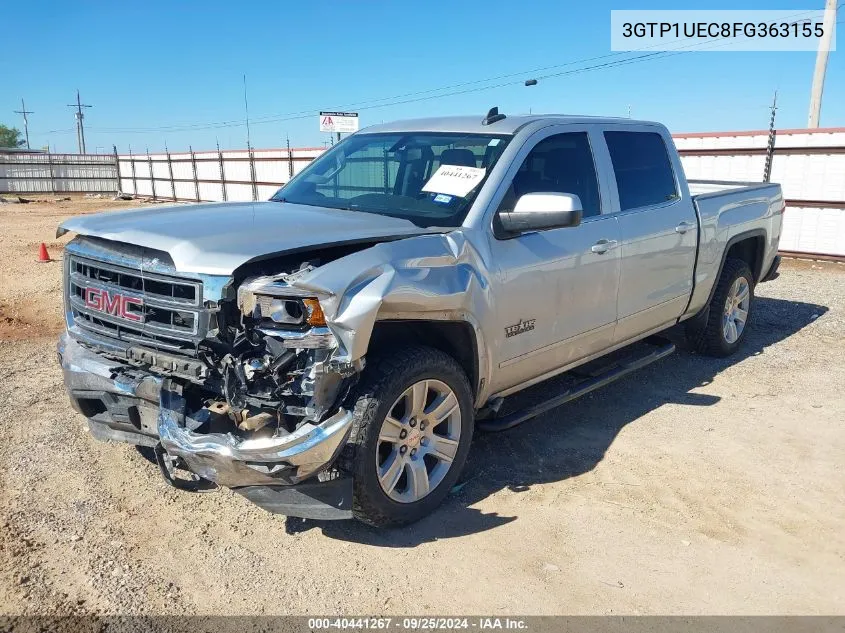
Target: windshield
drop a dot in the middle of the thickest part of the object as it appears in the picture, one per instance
(428, 178)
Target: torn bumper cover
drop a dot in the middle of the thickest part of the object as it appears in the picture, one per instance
(277, 473)
(233, 462)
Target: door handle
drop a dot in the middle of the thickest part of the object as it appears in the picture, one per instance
(602, 246)
(683, 227)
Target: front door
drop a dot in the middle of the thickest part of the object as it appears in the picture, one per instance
(556, 300)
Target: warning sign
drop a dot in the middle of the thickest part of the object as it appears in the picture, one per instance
(346, 122)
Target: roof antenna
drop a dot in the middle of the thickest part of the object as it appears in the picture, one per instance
(492, 116)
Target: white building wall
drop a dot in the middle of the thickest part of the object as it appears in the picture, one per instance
(809, 165)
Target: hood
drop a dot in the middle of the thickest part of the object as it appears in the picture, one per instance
(216, 238)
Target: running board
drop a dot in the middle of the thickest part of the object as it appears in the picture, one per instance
(582, 388)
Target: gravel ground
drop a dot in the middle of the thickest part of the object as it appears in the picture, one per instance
(695, 486)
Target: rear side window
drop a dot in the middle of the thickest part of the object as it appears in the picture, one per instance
(644, 174)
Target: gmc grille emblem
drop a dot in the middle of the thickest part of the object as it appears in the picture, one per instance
(114, 303)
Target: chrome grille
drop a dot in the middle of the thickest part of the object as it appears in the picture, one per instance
(135, 306)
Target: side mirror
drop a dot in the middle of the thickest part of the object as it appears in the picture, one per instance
(541, 211)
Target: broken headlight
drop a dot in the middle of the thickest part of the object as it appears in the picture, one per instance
(289, 311)
(280, 310)
(278, 306)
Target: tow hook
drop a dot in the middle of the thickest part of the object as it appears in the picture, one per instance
(176, 474)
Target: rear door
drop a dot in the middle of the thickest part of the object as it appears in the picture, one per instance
(657, 227)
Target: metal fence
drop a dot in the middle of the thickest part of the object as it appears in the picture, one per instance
(234, 175)
(810, 164)
(57, 173)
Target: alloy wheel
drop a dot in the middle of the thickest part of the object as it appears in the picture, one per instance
(735, 313)
(418, 441)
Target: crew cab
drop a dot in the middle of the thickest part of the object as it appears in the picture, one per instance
(330, 352)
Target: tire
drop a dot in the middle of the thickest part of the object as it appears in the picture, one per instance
(371, 460)
(710, 334)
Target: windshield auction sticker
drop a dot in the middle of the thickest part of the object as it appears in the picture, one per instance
(454, 180)
(728, 30)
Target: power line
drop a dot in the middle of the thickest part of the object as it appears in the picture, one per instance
(25, 112)
(66, 130)
(411, 97)
(80, 130)
(309, 113)
(455, 89)
(389, 101)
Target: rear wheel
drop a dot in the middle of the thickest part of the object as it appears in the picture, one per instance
(729, 312)
(412, 427)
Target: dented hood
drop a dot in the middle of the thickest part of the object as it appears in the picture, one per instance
(216, 238)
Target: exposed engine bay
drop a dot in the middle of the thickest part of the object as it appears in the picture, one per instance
(269, 366)
(274, 364)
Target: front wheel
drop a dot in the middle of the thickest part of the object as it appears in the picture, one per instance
(729, 312)
(412, 428)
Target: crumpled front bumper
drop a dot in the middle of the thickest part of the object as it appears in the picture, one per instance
(125, 404)
(232, 461)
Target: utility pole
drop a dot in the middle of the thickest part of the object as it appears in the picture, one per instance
(24, 112)
(246, 109)
(80, 130)
(821, 64)
(290, 158)
(770, 146)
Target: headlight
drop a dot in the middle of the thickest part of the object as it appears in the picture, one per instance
(289, 311)
(284, 311)
(268, 300)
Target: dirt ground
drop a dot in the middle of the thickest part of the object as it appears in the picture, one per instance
(696, 486)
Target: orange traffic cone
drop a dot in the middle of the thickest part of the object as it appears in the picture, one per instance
(43, 255)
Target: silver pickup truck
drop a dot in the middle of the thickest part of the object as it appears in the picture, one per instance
(329, 353)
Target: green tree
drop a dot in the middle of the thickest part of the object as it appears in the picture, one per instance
(10, 137)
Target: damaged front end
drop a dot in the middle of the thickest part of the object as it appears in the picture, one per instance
(246, 379)
(258, 407)
(279, 420)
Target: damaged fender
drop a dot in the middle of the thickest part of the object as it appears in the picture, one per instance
(429, 277)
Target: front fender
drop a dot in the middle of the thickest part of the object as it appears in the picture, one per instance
(429, 277)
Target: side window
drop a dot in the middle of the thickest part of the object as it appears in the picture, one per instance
(643, 170)
(562, 163)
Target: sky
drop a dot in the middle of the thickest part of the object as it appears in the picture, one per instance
(163, 73)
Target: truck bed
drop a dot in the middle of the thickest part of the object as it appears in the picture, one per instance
(727, 211)
(701, 188)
